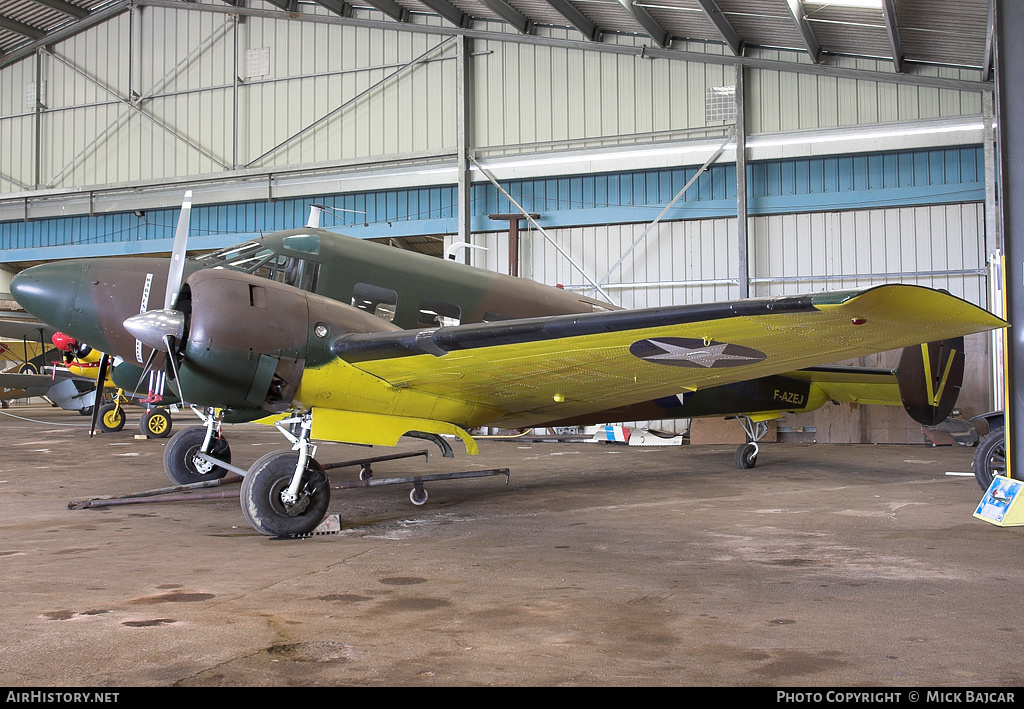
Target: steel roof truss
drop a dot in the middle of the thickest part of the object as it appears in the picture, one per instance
(338, 7)
(449, 12)
(511, 15)
(65, 7)
(796, 9)
(654, 30)
(576, 18)
(892, 27)
(21, 28)
(721, 22)
(390, 8)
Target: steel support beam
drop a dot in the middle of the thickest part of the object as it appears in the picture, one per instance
(440, 45)
(65, 7)
(796, 9)
(721, 22)
(742, 240)
(94, 18)
(502, 9)
(893, 30)
(593, 33)
(643, 18)
(990, 41)
(338, 7)
(1010, 111)
(463, 101)
(21, 28)
(390, 8)
(449, 12)
(134, 106)
(533, 222)
(576, 18)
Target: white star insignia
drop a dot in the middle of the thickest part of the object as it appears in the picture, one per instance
(703, 357)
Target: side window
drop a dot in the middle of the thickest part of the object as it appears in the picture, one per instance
(382, 302)
(301, 273)
(437, 313)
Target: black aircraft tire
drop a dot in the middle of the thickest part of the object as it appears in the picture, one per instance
(111, 418)
(990, 458)
(156, 423)
(746, 456)
(179, 454)
(261, 495)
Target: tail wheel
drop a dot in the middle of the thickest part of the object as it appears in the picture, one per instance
(111, 418)
(746, 456)
(990, 458)
(156, 423)
(263, 501)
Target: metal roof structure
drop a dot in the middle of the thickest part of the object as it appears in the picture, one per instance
(907, 33)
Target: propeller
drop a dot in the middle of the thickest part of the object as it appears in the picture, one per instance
(161, 329)
(101, 377)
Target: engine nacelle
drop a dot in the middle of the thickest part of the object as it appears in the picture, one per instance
(248, 339)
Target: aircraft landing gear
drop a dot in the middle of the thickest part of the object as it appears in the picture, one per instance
(746, 454)
(990, 458)
(111, 418)
(156, 423)
(180, 460)
(287, 493)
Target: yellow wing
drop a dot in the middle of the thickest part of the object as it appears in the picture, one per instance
(523, 372)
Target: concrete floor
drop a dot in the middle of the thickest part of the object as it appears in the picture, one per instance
(598, 564)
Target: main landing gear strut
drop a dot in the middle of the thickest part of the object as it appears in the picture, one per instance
(287, 492)
(182, 459)
(746, 454)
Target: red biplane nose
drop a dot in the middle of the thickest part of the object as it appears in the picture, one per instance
(63, 342)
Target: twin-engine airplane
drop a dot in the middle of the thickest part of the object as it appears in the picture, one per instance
(356, 342)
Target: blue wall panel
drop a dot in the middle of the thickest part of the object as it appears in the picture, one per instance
(778, 186)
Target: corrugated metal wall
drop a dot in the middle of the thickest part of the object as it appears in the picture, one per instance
(150, 95)
(332, 93)
(695, 260)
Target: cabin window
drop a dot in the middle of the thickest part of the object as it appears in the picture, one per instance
(437, 313)
(382, 302)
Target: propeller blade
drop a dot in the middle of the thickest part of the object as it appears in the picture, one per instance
(169, 344)
(101, 377)
(145, 370)
(178, 248)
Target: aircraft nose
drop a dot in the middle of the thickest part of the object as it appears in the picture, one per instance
(48, 291)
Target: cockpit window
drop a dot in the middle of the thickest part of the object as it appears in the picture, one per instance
(306, 243)
(255, 258)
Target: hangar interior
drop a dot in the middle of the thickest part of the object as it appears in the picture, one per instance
(669, 152)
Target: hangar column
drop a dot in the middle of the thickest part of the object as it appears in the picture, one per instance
(1009, 110)
(741, 184)
(462, 94)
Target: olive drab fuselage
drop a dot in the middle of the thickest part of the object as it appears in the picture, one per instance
(251, 336)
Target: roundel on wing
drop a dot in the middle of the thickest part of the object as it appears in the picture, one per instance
(694, 352)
